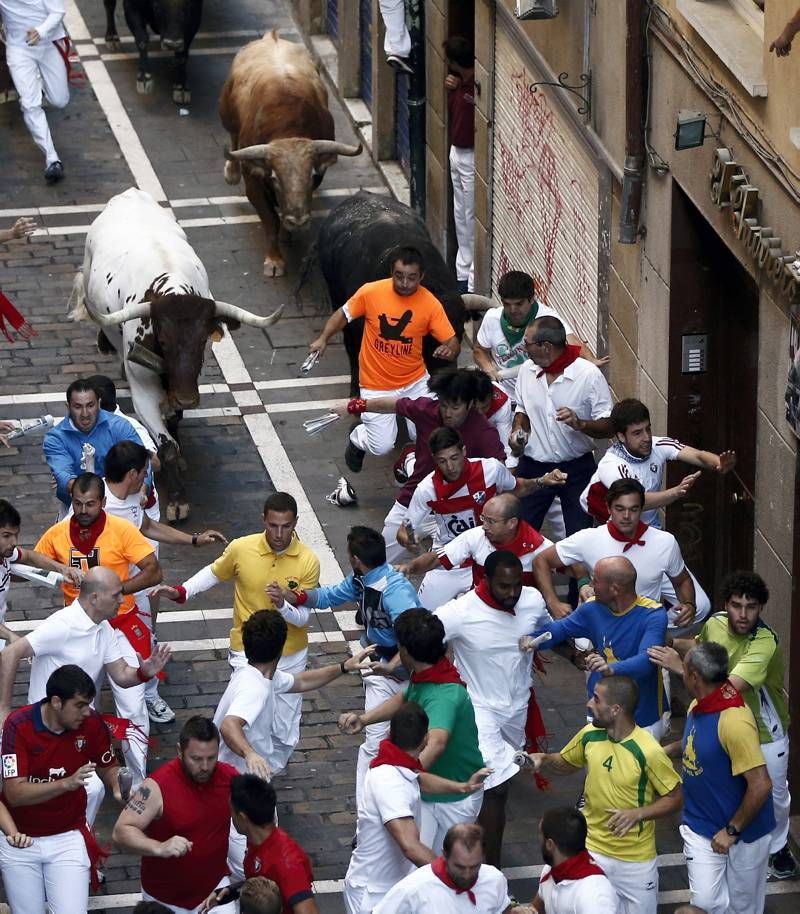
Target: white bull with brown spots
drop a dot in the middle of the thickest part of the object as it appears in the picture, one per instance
(147, 290)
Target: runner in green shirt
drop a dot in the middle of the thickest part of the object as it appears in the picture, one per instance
(452, 747)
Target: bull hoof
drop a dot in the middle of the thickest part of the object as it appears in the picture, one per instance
(233, 172)
(112, 42)
(274, 268)
(177, 511)
(181, 96)
(144, 85)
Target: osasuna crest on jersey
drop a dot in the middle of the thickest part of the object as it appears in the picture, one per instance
(257, 864)
(10, 766)
(80, 743)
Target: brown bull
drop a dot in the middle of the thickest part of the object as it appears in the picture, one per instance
(275, 108)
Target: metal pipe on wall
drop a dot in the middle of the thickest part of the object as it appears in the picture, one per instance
(633, 172)
(415, 12)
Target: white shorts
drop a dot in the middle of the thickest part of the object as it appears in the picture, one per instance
(499, 737)
(732, 883)
(636, 883)
(53, 871)
(437, 818)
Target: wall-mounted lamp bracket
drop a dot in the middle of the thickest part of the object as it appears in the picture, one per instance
(583, 90)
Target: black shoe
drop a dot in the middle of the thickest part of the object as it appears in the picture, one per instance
(54, 172)
(399, 63)
(353, 456)
(782, 864)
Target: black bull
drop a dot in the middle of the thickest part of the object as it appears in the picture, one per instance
(354, 246)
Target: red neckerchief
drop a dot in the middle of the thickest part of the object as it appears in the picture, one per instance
(630, 542)
(97, 854)
(483, 593)
(65, 49)
(498, 401)
(17, 321)
(526, 541)
(473, 480)
(566, 358)
(84, 538)
(389, 754)
(442, 672)
(726, 696)
(439, 867)
(578, 867)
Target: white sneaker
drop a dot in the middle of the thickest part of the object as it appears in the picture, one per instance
(159, 711)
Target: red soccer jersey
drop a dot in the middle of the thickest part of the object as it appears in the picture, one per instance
(33, 752)
(282, 860)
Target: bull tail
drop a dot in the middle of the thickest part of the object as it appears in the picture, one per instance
(307, 267)
(77, 299)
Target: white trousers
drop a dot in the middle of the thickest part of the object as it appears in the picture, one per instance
(397, 40)
(54, 871)
(229, 908)
(437, 818)
(462, 177)
(440, 585)
(377, 689)
(34, 69)
(636, 883)
(130, 704)
(732, 883)
(776, 755)
(391, 524)
(499, 737)
(287, 708)
(359, 899)
(377, 432)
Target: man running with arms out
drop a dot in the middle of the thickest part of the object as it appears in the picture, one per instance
(398, 313)
(254, 562)
(451, 750)
(178, 822)
(571, 882)
(484, 628)
(11, 553)
(757, 670)
(458, 882)
(727, 814)
(50, 749)
(630, 782)
(636, 454)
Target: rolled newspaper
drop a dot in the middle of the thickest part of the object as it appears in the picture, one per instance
(37, 575)
(316, 424)
(87, 458)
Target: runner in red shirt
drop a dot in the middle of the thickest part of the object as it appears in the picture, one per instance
(270, 851)
(179, 820)
(49, 751)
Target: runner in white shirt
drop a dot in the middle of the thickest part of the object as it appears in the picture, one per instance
(636, 454)
(483, 627)
(458, 882)
(12, 553)
(388, 844)
(36, 49)
(455, 566)
(563, 403)
(571, 881)
(661, 573)
(78, 634)
(245, 713)
(126, 466)
(499, 349)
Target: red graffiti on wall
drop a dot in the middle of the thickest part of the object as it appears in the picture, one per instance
(532, 178)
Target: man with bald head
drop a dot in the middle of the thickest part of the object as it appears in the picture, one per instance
(502, 528)
(80, 634)
(621, 625)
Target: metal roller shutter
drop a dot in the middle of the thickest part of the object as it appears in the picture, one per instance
(332, 17)
(545, 194)
(401, 126)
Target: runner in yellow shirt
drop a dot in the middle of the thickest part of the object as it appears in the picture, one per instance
(254, 562)
(629, 783)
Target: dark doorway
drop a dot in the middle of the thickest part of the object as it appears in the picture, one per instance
(712, 298)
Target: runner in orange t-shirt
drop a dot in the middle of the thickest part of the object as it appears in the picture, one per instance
(398, 312)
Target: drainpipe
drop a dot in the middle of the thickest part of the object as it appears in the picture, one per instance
(416, 104)
(633, 173)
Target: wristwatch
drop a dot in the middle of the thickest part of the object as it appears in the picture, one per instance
(732, 830)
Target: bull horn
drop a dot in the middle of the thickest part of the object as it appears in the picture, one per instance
(473, 302)
(332, 148)
(129, 313)
(260, 151)
(247, 317)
